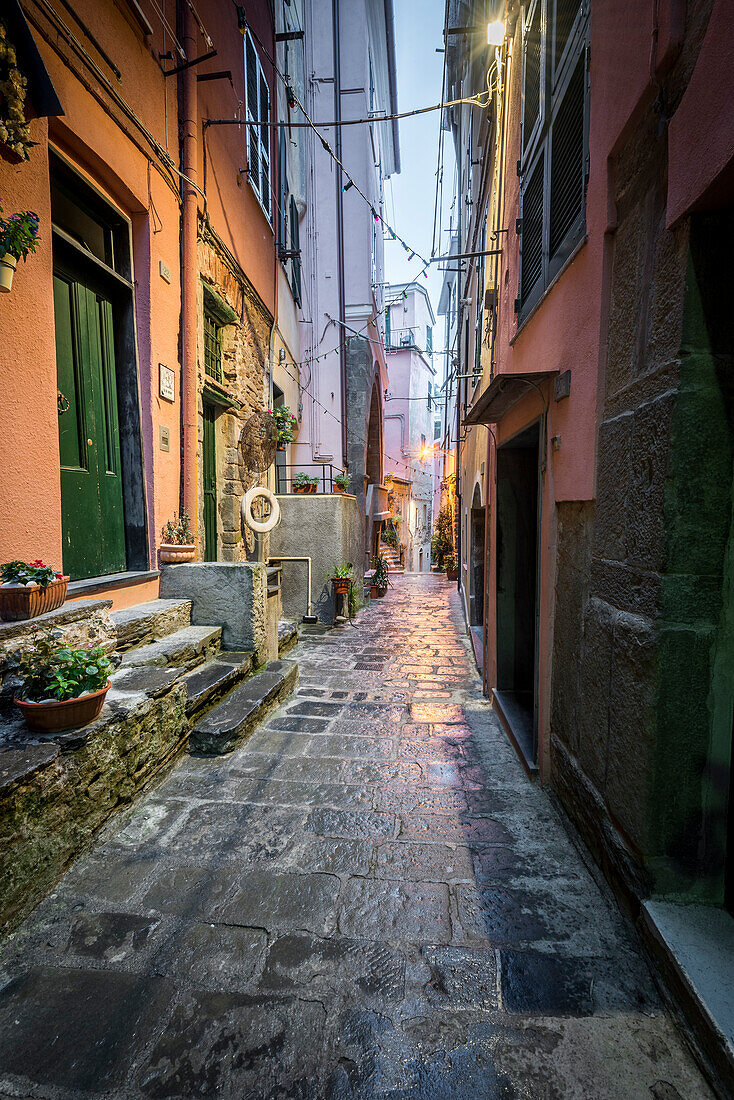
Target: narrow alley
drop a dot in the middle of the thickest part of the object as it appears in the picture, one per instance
(369, 898)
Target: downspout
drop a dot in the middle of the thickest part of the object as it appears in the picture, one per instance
(189, 269)
(340, 221)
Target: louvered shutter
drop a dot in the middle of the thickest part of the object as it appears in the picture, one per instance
(531, 241)
(252, 107)
(296, 249)
(282, 191)
(531, 101)
(265, 144)
(567, 160)
(565, 17)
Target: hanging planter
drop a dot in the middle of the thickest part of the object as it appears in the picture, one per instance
(8, 264)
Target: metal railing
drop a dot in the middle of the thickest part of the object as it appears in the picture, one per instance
(285, 475)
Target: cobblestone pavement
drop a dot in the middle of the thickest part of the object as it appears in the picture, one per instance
(368, 899)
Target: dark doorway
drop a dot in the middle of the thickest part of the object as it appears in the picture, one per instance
(281, 472)
(477, 560)
(517, 582)
(209, 464)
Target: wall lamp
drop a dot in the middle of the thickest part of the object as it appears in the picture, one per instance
(496, 32)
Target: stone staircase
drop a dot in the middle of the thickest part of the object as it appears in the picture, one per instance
(174, 687)
(393, 558)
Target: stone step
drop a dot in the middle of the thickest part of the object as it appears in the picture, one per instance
(207, 684)
(287, 636)
(243, 709)
(183, 649)
(147, 622)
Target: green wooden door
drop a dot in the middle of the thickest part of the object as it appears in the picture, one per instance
(210, 484)
(92, 516)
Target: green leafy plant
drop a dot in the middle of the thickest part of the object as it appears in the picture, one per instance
(343, 571)
(442, 541)
(305, 481)
(15, 130)
(449, 562)
(342, 481)
(178, 530)
(19, 234)
(382, 573)
(285, 422)
(52, 671)
(353, 602)
(388, 477)
(22, 572)
(390, 536)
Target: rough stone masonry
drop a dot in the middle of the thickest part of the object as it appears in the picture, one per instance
(368, 899)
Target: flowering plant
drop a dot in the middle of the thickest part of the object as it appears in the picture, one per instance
(26, 573)
(178, 530)
(285, 422)
(19, 234)
(14, 128)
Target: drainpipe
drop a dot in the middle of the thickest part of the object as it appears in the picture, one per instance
(340, 220)
(189, 269)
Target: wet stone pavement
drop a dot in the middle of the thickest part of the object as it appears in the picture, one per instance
(368, 899)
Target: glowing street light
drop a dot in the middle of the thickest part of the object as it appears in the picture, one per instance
(496, 32)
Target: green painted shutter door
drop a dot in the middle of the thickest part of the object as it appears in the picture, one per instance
(210, 485)
(91, 490)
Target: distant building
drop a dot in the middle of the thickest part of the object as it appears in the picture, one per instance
(410, 413)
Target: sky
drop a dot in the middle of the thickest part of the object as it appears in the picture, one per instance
(410, 196)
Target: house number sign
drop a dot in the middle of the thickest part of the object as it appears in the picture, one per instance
(166, 382)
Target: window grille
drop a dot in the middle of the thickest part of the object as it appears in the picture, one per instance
(212, 347)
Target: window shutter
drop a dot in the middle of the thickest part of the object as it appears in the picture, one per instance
(296, 249)
(566, 12)
(265, 143)
(567, 159)
(531, 250)
(251, 78)
(532, 74)
(282, 191)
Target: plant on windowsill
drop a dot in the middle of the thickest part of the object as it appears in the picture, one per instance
(18, 238)
(29, 589)
(61, 687)
(341, 578)
(303, 483)
(380, 578)
(177, 540)
(452, 569)
(286, 423)
(341, 483)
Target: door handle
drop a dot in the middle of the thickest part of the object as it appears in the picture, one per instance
(89, 443)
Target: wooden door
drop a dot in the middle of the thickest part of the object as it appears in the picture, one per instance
(210, 483)
(93, 522)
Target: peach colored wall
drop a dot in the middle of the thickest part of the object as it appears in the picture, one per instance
(125, 595)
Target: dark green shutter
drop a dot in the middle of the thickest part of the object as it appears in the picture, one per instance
(532, 100)
(531, 240)
(282, 191)
(209, 471)
(567, 160)
(296, 249)
(566, 12)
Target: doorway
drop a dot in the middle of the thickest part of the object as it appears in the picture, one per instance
(477, 560)
(518, 478)
(209, 470)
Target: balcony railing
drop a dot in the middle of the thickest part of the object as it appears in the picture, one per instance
(325, 472)
(408, 337)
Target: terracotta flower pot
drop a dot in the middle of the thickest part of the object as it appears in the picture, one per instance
(304, 488)
(341, 585)
(170, 552)
(20, 602)
(338, 489)
(8, 264)
(374, 591)
(381, 592)
(452, 574)
(54, 715)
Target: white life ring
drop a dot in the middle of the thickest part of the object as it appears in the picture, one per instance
(260, 525)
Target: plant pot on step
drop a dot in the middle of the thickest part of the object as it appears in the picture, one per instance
(171, 553)
(8, 264)
(55, 715)
(19, 602)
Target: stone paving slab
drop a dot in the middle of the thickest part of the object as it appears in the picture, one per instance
(368, 899)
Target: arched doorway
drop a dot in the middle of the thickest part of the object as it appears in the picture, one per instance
(373, 455)
(476, 596)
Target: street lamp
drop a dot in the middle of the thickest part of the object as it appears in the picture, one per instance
(496, 32)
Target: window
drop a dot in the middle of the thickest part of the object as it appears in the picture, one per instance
(295, 250)
(554, 165)
(212, 347)
(257, 106)
(436, 429)
(479, 323)
(387, 329)
(429, 341)
(430, 395)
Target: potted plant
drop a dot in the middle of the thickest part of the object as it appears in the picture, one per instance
(452, 569)
(177, 543)
(15, 131)
(341, 483)
(29, 589)
(341, 578)
(286, 423)
(61, 687)
(303, 483)
(18, 237)
(380, 577)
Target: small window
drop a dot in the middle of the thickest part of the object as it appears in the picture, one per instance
(257, 106)
(429, 342)
(296, 251)
(388, 340)
(212, 347)
(430, 394)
